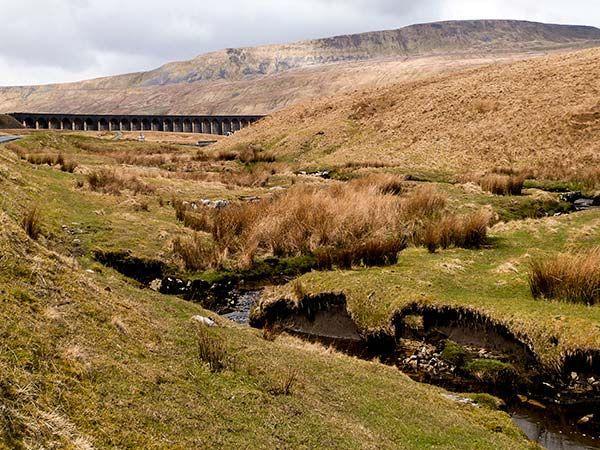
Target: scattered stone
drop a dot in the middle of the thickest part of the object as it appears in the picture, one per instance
(325, 174)
(89, 271)
(585, 419)
(507, 267)
(535, 404)
(583, 203)
(461, 400)
(216, 204)
(570, 197)
(206, 321)
(155, 285)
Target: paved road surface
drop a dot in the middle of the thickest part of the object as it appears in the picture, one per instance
(8, 138)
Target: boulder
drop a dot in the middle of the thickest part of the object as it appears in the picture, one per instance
(206, 321)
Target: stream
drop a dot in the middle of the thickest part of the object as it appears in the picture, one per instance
(550, 426)
(553, 427)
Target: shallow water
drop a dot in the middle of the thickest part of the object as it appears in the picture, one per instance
(244, 302)
(550, 433)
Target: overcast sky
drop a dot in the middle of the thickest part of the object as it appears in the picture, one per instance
(45, 41)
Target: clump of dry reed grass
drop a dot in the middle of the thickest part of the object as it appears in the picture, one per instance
(573, 277)
(382, 183)
(252, 176)
(51, 160)
(211, 350)
(501, 184)
(32, 222)
(468, 231)
(197, 252)
(341, 225)
(154, 160)
(110, 182)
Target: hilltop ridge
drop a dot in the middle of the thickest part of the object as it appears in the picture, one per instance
(267, 78)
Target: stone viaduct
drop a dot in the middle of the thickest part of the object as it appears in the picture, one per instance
(119, 122)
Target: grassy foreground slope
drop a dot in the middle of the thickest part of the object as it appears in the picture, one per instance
(542, 113)
(89, 360)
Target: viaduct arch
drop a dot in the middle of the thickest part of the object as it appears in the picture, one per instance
(116, 122)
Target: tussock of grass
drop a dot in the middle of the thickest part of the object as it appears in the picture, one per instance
(156, 160)
(590, 178)
(251, 176)
(110, 182)
(500, 184)
(468, 231)
(287, 382)
(571, 277)
(197, 252)
(211, 350)
(342, 225)
(425, 201)
(362, 222)
(32, 222)
(381, 183)
(373, 252)
(38, 159)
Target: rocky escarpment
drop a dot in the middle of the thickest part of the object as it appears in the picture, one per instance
(263, 79)
(477, 36)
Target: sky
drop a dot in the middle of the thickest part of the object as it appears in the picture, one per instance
(49, 41)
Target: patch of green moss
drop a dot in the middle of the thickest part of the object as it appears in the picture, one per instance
(532, 209)
(454, 353)
(490, 370)
(487, 401)
(553, 186)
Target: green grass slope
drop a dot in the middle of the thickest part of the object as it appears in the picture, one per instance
(89, 360)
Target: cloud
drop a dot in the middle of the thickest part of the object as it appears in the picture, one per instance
(63, 40)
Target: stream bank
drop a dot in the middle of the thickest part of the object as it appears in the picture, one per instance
(450, 348)
(461, 352)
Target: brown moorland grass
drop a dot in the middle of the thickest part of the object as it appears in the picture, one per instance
(196, 252)
(44, 158)
(251, 176)
(467, 231)
(32, 222)
(110, 182)
(382, 183)
(341, 225)
(500, 184)
(540, 120)
(211, 350)
(574, 277)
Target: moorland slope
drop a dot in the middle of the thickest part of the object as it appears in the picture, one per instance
(542, 113)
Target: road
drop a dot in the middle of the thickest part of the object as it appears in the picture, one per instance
(8, 138)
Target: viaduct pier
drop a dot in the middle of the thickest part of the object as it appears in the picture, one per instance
(118, 122)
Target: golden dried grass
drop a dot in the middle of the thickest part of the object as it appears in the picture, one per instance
(574, 277)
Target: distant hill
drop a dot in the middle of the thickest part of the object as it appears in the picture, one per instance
(263, 79)
(7, 123)
(542, 113)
